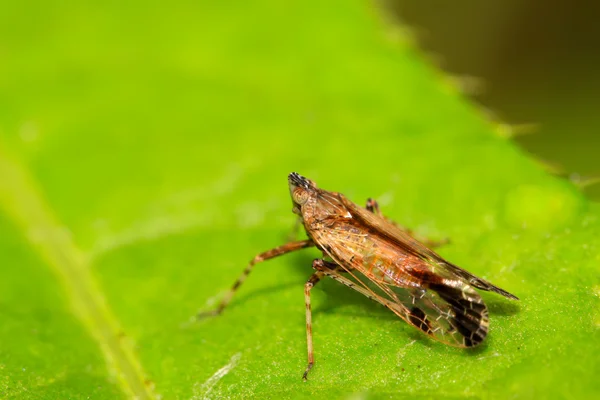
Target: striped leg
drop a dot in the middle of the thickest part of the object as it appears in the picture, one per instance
(314, 278)
(277, 251)
(332, 270)
(373, 207)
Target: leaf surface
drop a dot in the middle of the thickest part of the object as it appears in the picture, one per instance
(144, 152)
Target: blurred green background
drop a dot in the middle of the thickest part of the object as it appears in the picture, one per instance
(144, 150)
(527, 62)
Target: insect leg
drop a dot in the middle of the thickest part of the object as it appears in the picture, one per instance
(277, 251)
(333, 270)
(373, 207)
(312, 281)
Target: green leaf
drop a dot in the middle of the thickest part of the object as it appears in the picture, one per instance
(143, 160)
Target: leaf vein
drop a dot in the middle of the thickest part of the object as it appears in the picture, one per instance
(24, 204)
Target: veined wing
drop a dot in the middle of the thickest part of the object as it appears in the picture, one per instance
(412, 246)
(453, 315)
(448, 310)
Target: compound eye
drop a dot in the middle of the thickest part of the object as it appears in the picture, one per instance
(300, 196)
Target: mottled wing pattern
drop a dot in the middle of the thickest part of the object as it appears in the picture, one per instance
(414, 247)
(454, 316)
(446, 308)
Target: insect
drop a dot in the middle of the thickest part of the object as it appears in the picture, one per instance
(367, 252)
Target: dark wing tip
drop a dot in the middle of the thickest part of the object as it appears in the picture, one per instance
(418, 319)
(470, 317)
(473, 331)
(485, 285)
(506, 294)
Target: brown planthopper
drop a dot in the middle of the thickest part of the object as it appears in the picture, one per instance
(372, 255)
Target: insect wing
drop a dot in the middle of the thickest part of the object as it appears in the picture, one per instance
(446, 308)
(455, 316)
(411, 246)
(450, 312)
